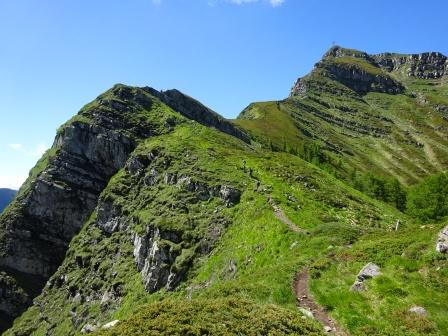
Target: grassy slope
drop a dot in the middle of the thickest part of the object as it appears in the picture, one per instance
(359, 62)
(400, 135)
(346, 229)
(266, 253)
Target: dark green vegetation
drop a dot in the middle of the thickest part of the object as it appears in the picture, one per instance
(184, 240)
(428, 200)
(6, 196)
(199, 317)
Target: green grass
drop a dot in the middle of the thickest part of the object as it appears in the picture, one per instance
(262, 119)
(412, 275)
(360, 63)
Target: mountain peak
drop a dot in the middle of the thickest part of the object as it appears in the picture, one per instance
(362, 73)
(338, 51)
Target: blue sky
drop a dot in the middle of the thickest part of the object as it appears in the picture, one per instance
(57, 55)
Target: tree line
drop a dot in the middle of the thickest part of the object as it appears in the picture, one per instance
(425, 201)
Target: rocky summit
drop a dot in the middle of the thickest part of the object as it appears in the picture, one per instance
(152, 214)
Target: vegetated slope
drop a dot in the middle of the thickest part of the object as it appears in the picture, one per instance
(383, 113)
(189, 216)
(6, 196)
(63, 189)
(201, 230)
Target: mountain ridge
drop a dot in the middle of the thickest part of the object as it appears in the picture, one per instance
(344, 102)
(149, 196)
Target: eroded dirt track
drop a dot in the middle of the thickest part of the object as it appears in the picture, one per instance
(301, 288)
(306, 301)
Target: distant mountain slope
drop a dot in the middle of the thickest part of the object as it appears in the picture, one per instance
(6, 196)
(385, 113)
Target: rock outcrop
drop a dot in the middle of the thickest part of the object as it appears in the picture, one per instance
(154, 259)
(156, 252)
(365, 73)
(429, 65)
(53, 205)
(355, 70)
(63, 190)
(360, 79)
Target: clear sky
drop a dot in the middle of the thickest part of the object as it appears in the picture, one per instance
(57, 55)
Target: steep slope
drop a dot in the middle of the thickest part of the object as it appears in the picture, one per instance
(189, 216)
(62, 190)
(171, 220)
(383, 113)
(6, 196)
(168, 228)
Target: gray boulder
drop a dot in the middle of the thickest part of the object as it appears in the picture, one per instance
(369, 271)
(418, 310)
(88, 329)
(307, 313)
(442, 241)
(358, 286)
(110, 324)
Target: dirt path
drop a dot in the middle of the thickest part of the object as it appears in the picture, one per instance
(306, 301)
(278, 212)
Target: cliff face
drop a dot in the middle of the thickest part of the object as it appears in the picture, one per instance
(59, 197)
(63, 189)
(430, 65)
(157, 217)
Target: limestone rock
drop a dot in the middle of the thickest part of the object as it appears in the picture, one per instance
(369, 271)
(418, 310)
(442, 241)
(88, 328)
(110, 324)
(328, 329)
(307, 313)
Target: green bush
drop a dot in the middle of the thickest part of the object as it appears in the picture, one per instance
(228, 316)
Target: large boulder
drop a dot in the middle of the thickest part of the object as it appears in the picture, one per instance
(369, 271)
(418, 310)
